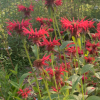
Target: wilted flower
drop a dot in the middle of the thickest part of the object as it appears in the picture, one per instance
(40, 62)
(26, 10)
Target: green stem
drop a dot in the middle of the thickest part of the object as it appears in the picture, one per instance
(24, 43)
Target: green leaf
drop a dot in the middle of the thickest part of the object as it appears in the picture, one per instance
(14, 84)
(65, 88)
(97, 75)
(90, 89)
(35, 50)
(93, 98)
(86, 68)
(64, 44)
(75, 83)
(79, 42)
(22, 78)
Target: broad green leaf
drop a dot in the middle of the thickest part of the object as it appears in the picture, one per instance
(35, 50)
(22, 78)
(86, 68)
(65, 88)
(93, 98)
(75, 83)
(97, 75)
(90, 89)
(53, 96)
(71, 97)
(64, 44)
(15, 84)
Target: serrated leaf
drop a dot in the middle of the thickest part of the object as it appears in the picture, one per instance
(86, 68)
(93, 98)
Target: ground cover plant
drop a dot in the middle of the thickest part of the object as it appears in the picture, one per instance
(51, 57)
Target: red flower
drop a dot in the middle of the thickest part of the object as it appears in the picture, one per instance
(17, 26)
(53, 2)
(40, 62)
(36, 36)
(44, 21)
(50, 44)
(76, 27)
(84, 78)
(24, 93)
(26, 10)
(89, 59)
(57, 72)
(92, 48)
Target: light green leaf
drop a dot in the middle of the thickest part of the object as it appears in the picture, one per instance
(14, 84)
(97, 75)
(64, 44)
(22, 78)
(86, 68)
(93, 98)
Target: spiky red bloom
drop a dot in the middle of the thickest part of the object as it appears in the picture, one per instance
(52, 3)
(76, 27)
(57, 72)
(89, 59)
(50, 44)
(41, 62)
(26, 10)
(36, 36)
(24, 93)
(98, 27)
(92, 47)
(44, 21)
(17, 26)
(96, 36)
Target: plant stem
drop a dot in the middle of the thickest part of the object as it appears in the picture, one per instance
(24, 43)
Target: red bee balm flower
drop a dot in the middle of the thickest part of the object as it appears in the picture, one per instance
(76, 27)
(40, 62)
(36, 36)
(26, 10)
(50, 44)
(17, 26)
(44, 21)
(89, 59)
(24, 93)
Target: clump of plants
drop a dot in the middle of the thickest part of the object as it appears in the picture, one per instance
(62, 69)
